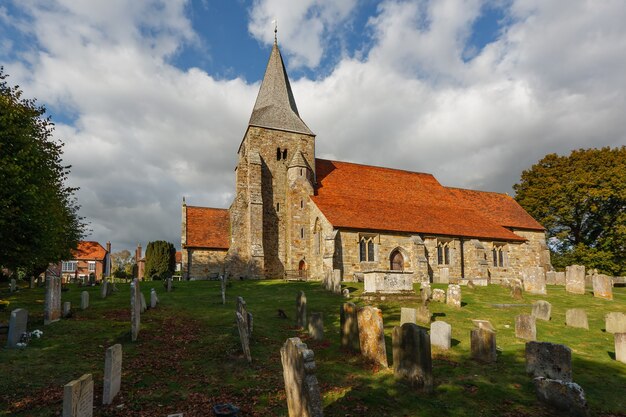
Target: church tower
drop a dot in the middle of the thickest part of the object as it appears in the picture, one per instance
(275, 176)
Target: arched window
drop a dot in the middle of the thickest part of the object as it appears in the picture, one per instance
(302, 268)
(397, 261)
(499, 256)
(278, 154)
(443, 253)
(366, 249)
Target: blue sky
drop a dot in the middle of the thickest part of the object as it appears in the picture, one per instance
(152, 98)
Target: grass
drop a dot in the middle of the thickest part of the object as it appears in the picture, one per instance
(188, 355)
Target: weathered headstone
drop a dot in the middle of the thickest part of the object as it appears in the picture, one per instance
(559, 278)
(18, 323)
(408, 315)
(154, 300)
(112, 373)
(168, 284)
(31, 282)
(453, 296)
(222, 288)
(301, 387)
(426, 292)
(349, 327)
(603, 286)
(142, 300)
(84, 300)
(575, 279)
(336, 281)
(411, 356)
(534, 280)
(67, 309)
(242, 308)
(301, 310)
(551, 277)
(439, 295)
(104, 288)
(565, 396)
(516, 290)
(549, 360)
(542, 310)
(13, 285)
(52, 308)
(483, 345)
(423, 314)
(525, 327)
(243, 336)
(371, 334)
(483, 324)
(620, 347)
(615, 322)
(135, 309)
(316, 326)
(441, 334)
(78, 397)
(576, 317)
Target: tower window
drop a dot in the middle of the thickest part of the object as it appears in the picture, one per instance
(277, 206)
(278, 154)
(301, 172)
(301, 203)
(302, 232)
(284, 153)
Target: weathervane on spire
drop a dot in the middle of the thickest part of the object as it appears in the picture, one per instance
(275, 22)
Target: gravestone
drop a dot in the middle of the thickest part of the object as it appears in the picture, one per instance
(13, 286)
(243, 336)
(441, 335)
(603, 287)
(39, 279)
(483, 345)
(168, 285)
(242, 308)
(371, 334)
(301, 387)
(549, 360)
(154, 300)
(575, 279)
(104, 288)
(301, 310)
(346, 293)
(349, 327)
(565, 396)
(142, 301)
(444, 276)
(551, 278)
(534, 280)
(135, 308)
(423, 314)
(222, 288)
(453, 296)
(316, 326)
(31, 282)
(411, 356)
(84, 300)
(78, 397)
(516, 290)
(525, 327)
(576, 317)
(620, 347)
(18, 323)
(559, 278)
(439, 295)
(615, 322)
(408, 315)
(67, 309)
(336, 283)
(542, 310)
(426, 292)
(52, 307)
(483, 324)
(112, 373)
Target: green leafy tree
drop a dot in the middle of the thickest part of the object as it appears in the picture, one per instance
(581, 200)
(122, 264)
(39, 221)
(160, 259)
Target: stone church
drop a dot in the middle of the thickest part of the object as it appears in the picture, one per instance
(295, 215)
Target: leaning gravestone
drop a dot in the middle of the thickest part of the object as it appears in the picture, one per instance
(423, 314)
(142, 300)
(371, 334)
(67, 309)
(542, 310)
(52, 307)
(483, 324)
(242, 308)
(18, 324)
(565, 396)
(316, 326)
(135, 308)
(153, 298)
(349, 327)
(78, 397)
(301, 310)
(441, 335)
(13, 285)
(559, 278)
(516, 290)
(615, 322)
(551, 278)
(104, 288)
(408, 315)
(244, 336)
(525, 327)
(301, 387)
(84, 300)
(411, 356)
(534, 280)
(453, 296)
(620, 347)
(483, 345)
(603, 287)
(549, 360)
(112, 373)
(439, 295)
(576, 317)
(575, 279)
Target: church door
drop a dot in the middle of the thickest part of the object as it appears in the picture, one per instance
(302, 268)
(397, 261)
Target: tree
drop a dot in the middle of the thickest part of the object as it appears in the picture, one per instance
(581, 200)
(160, 259)
(39, 221)
(122, 264)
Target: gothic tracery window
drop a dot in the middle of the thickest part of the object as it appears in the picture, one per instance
(366, 249)
(499, 256)
(443, 253)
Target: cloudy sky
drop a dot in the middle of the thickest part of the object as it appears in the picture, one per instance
(152, 97)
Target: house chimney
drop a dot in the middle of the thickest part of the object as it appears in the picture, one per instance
(109, 247)
(138, 253)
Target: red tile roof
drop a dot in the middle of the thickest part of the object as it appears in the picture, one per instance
(89, 250)
(179, 257)
(208, 228)
(375, 198)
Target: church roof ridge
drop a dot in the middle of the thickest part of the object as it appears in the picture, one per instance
(377, 167)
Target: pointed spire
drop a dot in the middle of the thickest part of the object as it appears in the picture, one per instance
(275, 106)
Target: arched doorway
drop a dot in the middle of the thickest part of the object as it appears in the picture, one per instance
(302, 268)
(397, 261)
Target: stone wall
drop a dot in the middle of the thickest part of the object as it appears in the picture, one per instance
(203, 263)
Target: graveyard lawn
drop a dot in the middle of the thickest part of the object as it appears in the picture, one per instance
(188, 355)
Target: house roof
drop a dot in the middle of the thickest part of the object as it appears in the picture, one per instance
(89, 250)
(179, 257)
(208, 227)
(275, 105)
(375, 198)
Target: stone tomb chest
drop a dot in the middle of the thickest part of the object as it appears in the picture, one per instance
(388, 282)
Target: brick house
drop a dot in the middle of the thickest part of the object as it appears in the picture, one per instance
(90, 257)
